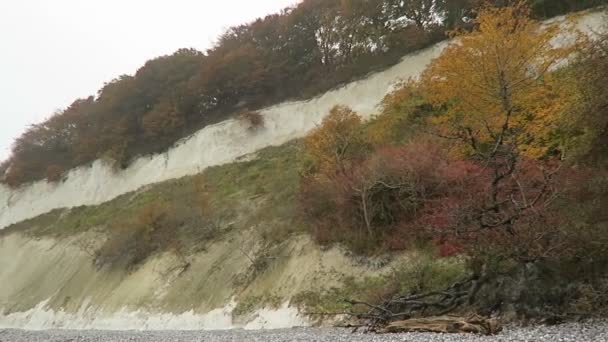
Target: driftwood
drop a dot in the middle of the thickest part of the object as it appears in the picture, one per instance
(445, 324)
(435, 303)
(426, 311)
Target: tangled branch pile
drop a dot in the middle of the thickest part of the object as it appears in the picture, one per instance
(403, 313)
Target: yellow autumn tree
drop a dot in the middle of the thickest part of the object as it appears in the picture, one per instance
(334, 144)
(497, 84)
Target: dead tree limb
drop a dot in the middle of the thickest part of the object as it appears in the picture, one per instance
(376, 317)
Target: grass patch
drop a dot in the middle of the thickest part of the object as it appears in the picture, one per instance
(425, 273)
(249, 305)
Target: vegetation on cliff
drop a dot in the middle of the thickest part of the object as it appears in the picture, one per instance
(491, 168)
(506, 167)
(297, 53)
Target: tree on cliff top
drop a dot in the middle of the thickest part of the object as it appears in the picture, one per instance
(297, 53)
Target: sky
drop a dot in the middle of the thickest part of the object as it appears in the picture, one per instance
(53, 52)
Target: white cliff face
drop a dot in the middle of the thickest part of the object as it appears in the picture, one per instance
(43, 318)
(216, 144)
(53, 284)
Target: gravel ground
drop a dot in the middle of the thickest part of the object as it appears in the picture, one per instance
(575, 332)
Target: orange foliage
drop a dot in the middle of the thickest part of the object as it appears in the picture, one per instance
(497, 83)
(337, 142)
(162, 121)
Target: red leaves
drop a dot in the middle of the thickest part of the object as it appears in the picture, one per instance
(417, 192)
(448, 248)
(397, 195)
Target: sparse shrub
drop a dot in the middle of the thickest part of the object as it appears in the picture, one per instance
(8, 175)
(591, 299)
(247, 306)
(135, 240)
(54, 173)
(182, 223)
(252, 119)
(423, 273)
(4, 167)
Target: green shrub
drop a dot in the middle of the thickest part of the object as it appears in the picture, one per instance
(133, 241)
(423, 272)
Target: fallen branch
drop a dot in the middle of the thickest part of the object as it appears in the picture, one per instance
(425, 311)
(445, 324)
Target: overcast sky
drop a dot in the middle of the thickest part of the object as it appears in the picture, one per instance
(54, 51)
